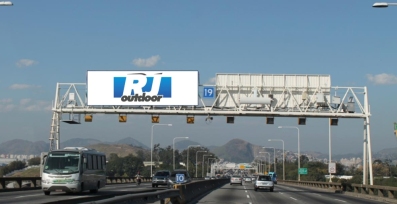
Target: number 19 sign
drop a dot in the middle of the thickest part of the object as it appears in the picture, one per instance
(209, 92)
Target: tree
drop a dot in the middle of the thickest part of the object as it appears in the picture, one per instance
(34, 161)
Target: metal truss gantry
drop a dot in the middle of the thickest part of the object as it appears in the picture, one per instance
(262, 95)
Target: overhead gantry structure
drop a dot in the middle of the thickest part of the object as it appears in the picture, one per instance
(234, 95)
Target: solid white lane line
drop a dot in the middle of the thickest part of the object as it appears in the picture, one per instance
(79, 197)
(293, 198)
(28, 195)
(340, 200)
(248, 196)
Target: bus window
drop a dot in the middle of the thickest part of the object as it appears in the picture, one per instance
(95, 166)
(89, 162)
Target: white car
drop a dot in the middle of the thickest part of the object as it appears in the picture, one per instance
(236, 180)
(264, 182)
(247, 179)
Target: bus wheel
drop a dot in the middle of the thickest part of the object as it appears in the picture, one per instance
(47, 192)
(82, 188)
(95, 190)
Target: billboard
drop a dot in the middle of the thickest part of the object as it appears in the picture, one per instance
(142, 88)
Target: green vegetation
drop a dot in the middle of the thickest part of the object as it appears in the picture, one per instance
(12, 166)
(162, 158)
(32, 172)
(34, 161)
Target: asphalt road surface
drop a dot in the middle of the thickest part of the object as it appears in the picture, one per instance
(231, 194)
(37, 196)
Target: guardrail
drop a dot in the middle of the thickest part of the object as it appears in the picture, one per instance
(33, 183)
(375, 192)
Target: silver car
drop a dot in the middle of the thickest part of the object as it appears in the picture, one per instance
(264, 182)
(236, 180)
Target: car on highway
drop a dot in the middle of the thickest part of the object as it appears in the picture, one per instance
(160, 178)
(173, 180)
(247, 179)
(236, 180)
(264, 182)
(207, 178)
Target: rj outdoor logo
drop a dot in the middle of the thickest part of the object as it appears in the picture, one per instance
(142, 88)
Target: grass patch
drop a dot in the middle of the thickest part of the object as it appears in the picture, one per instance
(32, 172)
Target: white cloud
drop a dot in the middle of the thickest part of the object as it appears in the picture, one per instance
(6, 105)
(211, 80)
(5, 100)
(25, 104)
(382, 78)
(23, 86)
(28, 104)
(26, 62)
(149, 62)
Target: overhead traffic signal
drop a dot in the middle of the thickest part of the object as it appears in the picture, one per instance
(190, 119)
(155, 119)
(229, 119)
(301, 121)
(270, 120)
(122, 118)
(88, 118)
(333, 121)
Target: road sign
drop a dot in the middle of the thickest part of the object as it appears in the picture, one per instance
(180, 178)
(303, 171)
(332, 168)
(209, 92)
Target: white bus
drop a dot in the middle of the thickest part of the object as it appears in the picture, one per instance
(73, 169)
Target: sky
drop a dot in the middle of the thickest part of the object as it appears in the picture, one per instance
(45, 42)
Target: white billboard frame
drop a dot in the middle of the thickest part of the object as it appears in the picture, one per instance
(142, 88)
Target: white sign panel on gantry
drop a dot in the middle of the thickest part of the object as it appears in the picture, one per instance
(149, 88)
(283, 90)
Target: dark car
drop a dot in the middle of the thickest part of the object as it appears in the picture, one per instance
(161, 178)
(172, 180)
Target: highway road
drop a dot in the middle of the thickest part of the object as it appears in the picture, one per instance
(37, 196)
(282, 194)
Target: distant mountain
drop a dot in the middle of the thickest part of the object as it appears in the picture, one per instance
(183, 144)
(121, 150)
(79, 142)
(346, 156)
(19, 146)
(389, 153)
(212, 147)
(132, 142)
(237, 150)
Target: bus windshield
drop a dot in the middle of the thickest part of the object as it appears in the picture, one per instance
(62, 163)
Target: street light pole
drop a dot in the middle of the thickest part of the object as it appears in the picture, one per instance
(173, 148)
(329, 148)
(196, 160)
(274, 157)
(187, 159)
(271, 140)
(202, 165)
(265, 158)
(299, 152)
(208, 164)
(151, 148)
